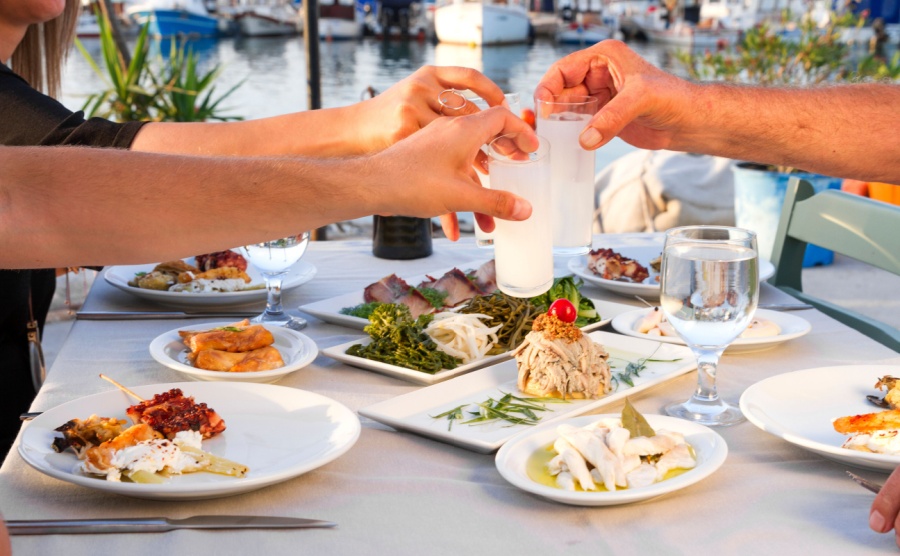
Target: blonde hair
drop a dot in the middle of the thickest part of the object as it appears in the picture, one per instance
(43, 50)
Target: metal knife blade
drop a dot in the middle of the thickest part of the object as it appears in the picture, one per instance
(158, 524)
(787, 307)
(153, 315)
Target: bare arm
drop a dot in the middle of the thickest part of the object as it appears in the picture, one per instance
(364, 127)
(72, 206)
(843, 131)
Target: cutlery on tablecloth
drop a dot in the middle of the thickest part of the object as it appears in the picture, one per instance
(865, 483)
(150, 315)
(158, 524)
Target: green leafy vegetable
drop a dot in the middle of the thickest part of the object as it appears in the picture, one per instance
(398, 339)
(363, 310)
(435, 297)
(512, 314)
(509, 408)
(569, 287)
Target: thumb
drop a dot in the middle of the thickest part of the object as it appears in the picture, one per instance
(502, 204)
(609, 121)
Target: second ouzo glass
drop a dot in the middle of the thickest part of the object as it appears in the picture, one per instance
(484, 239)
(561, 122)
(523, 251)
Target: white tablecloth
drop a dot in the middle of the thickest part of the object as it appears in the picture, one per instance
(400, 493)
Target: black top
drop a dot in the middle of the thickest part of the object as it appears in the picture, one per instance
(31, 118)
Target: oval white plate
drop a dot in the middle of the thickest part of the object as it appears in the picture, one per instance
(297, 350)
(791, 326)
(259, 419)
(643, 250)
(513, 457)
(119, 276)
(799, 407)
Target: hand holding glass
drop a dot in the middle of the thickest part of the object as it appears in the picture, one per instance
(523, 251)
(274, 259)
(708, 292)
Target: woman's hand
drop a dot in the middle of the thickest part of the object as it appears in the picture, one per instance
(413, 103)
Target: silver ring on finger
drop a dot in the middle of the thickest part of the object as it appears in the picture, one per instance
(452, 100)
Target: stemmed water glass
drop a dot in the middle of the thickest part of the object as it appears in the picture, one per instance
(709, 291)
(274, 259)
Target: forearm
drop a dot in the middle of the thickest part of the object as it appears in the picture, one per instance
(115, 207)
(321, 133)
(844, 131)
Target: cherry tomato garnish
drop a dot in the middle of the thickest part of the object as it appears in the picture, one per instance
(563, 310)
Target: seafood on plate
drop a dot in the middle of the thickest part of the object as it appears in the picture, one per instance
(611, 265)
(606, 455)
(874, 432)
(557, 359)
(654, 323)
(236, 348)
(224, 271)
(164, 440)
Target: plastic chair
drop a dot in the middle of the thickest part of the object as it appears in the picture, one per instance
(855, 226)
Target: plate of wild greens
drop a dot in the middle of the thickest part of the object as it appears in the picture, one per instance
(399, 346)
(483, 409)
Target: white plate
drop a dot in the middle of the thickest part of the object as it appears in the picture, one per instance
(278, 432)
(791, 326)
(800, 406)
(119, 276)
(339, 352)
(297, 350)
(709, 447)
(413, 411)
(643, 248)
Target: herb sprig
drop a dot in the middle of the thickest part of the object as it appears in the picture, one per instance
(512, 409)
(634, 368)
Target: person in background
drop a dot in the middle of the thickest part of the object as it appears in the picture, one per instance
(847, 131)
(35, 36)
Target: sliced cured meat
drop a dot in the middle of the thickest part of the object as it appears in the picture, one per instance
(387, 290)
(486, 277)
(457, 286)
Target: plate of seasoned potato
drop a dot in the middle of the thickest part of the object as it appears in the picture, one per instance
(234, 351)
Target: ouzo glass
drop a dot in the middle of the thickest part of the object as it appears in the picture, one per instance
(483, 239)
(709, 291)
(561, 122)
(523, 251)
(274, 259)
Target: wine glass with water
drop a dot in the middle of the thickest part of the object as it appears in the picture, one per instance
(274, 259)
(709, 291)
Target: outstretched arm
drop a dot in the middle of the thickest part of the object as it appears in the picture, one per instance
(69, 206)
(840, 130)
(364, 127)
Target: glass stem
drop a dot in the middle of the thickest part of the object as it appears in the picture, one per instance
(273, 288)
(707, 363)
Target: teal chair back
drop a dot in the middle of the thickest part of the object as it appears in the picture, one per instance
(855, 226)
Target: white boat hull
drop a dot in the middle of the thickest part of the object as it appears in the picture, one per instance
(582, 34)
(253, 24)
(479, 24)
(332, 28)
(691, 37)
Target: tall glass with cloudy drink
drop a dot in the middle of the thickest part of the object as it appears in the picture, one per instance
(484, 239)
(561, 121)
(709, 289)
(523, 251)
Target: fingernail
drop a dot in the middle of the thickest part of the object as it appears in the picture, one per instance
(521, 209)
(590, 138)
(876, 521)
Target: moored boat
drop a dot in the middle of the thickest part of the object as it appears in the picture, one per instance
(340, 20)
(584, 23)
(269, 19)
(175, 18)
(482, 22)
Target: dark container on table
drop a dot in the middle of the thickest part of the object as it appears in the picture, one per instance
(401, 237)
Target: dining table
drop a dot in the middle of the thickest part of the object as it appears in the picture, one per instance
(396, 492)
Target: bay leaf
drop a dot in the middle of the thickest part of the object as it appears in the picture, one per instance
(636, 424)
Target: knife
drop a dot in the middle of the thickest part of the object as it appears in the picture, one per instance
(143, 315)
(786, 307)
(158, 524)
